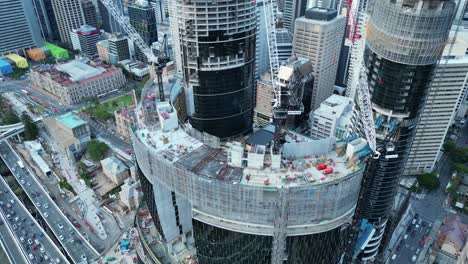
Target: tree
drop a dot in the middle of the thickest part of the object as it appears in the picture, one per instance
(429, 181)
(31, 132)
(81, 167)
(461, 168)
(97, 150)
(115, 104)
(449, 146)
(10, 118)
(459, 155)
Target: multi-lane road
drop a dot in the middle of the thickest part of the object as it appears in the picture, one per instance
(10, 244)
(35, 245)
(75, 245)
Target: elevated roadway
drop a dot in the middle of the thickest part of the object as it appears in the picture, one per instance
(69, 237)
(25, 231)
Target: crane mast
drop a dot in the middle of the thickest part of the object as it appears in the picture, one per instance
(133, 35)
(157, 62)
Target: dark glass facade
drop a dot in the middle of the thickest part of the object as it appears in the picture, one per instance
(398, 93)
(401, 89)
(223, 98)
(322, 248)
(90, 14)
(220, 246)
(53, 34)
(398, 87)
(108, 23)
(143, 19)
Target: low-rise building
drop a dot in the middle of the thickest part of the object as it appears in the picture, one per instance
(137, 68)
(71, 134)
(131, 194)
(75, 80)
(103, 50)
(264, 96)
(123, 119)
(451, 241)
(118, 48)
(331, 118)
(85, 39)
(115, 169)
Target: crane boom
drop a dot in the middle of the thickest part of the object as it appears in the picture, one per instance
(365, 105)
(133, 35)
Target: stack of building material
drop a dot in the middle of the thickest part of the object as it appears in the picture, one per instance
(57, 51)
(20, 62)
(36, 54)
(5, 67)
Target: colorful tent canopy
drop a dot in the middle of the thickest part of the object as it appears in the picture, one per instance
(5, 67)
(36, 54)
(20, 62)
(57, 51)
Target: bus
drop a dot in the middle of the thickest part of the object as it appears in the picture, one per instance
(24, 91)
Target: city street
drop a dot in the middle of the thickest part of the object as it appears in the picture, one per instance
(68, 171)
(410, 244)
(26, 229)
(77, 247)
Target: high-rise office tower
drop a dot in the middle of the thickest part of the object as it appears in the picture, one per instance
(292, 10)
(404, 41)
(45, 14)
(159, 10)
(283, 40)
(90, 14)
(174, 28)
(69, 15)
(85, 39)
(284, 44)
(19, 26)
(43, 19)
(218, 64)
(118, 48)
(262, 56)
(143, 19)
(55, 35)
(450, 81)
(109, 24)
(318, 36)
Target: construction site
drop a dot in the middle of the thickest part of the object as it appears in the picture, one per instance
(239, 185)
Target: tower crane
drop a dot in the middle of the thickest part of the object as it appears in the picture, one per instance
(284, 102)
(163, 58)
(157, 62)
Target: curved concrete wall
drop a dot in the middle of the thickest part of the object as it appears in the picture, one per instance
(250, 209)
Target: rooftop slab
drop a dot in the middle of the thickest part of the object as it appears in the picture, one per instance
(70, 120)
(78, 70)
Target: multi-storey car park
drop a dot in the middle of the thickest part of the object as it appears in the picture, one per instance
(236, 202)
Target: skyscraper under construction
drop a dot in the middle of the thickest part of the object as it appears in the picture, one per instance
(405, 40)
(217, 42)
